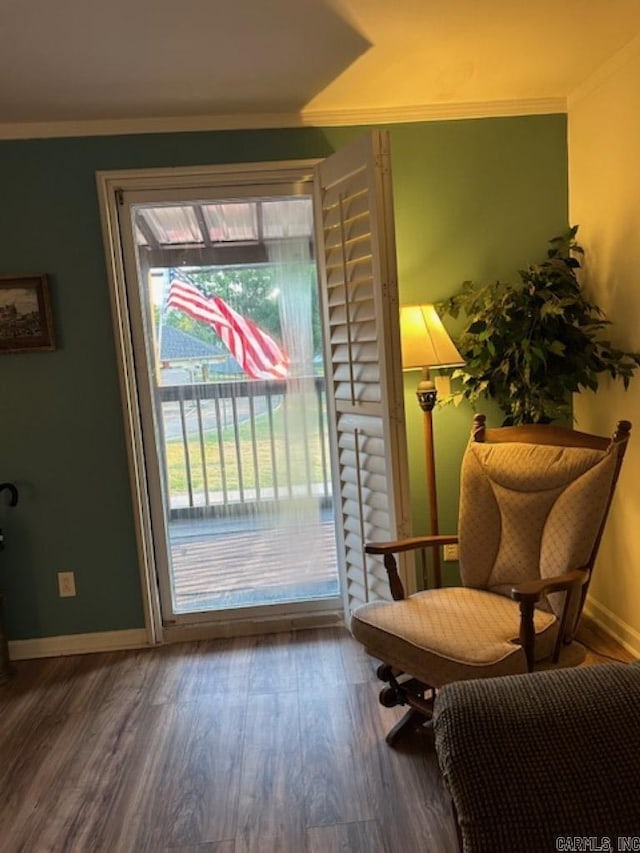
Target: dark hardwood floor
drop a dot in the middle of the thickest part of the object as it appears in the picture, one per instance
(260, 744)
(249, 745)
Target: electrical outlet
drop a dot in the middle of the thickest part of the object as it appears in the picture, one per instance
(66, 584)
(450, 553)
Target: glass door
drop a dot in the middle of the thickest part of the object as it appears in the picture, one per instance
(223, 299)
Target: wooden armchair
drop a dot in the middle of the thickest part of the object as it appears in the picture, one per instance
(533, 504)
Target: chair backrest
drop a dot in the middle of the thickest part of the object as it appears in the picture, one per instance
(533, 502)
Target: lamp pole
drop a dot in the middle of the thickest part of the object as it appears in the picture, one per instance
(427, 396)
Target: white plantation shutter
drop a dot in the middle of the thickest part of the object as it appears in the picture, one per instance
(356, 252)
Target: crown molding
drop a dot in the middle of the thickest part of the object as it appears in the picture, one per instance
(611, 66)
(306, 118)
(436, 112)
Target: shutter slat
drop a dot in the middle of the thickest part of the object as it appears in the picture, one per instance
(370, 464)
(373, 482)
(355, 251)
(343, 392)
(366, 426)
(371, 444)
(376, 572)
(371, 522)
(348, 199)
(354, 273)
(378, 588)
(361, 311)
(377, 501)
(356, 230)
(365, 351)
(366, 373)
(351, 250)
(361, 292)
(360, 332)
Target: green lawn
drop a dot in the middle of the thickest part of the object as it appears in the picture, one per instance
(295, 443)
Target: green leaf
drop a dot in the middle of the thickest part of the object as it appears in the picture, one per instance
(556, 347)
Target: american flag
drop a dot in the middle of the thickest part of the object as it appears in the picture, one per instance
(256, 352)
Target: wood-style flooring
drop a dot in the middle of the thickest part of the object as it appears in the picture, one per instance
(248, 745)
(260, 744)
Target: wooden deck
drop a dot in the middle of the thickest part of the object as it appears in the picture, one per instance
(215, 567)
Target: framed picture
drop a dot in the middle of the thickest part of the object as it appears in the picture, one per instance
(26, 320)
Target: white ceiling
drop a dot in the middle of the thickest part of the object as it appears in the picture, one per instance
(244, 62)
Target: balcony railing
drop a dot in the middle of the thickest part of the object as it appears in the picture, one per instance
(236, 446)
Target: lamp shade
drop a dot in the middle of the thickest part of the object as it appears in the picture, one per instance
(425, 341)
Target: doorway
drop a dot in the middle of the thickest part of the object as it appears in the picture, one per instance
(223, 293)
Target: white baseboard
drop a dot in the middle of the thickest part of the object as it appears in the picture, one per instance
(113, 641)
(621, 632)
(77, 644)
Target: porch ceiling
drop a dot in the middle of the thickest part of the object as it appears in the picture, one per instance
(220, 234)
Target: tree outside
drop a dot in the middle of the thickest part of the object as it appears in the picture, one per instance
(252, 292)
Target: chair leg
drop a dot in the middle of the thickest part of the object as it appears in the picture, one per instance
(407, 691)
(409, 720)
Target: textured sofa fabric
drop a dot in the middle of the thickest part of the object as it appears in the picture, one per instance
(530, 759)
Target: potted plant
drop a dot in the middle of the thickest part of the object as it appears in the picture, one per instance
(530, 345)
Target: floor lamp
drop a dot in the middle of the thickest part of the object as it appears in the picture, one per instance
(425, 344)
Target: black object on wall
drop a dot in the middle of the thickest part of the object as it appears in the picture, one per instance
(6, 670)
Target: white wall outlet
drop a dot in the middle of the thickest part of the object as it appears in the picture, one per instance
(450, 553)
(66, 584)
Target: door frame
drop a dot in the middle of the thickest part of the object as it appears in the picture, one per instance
(111, 186)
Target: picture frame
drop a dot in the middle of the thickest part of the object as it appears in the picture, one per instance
(26, 318)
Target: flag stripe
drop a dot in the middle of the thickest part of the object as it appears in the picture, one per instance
(237, 335)
(245, 348)
(256, 352)
(262, 349)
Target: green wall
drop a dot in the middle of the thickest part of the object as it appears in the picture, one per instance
(473, 199)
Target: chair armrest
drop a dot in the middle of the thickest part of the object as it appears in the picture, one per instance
(411, 544)
(528, 593)
(534, 590)
(388, 549)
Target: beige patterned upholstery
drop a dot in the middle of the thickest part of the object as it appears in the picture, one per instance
(449, 634)
(533, 504)
(529, 511)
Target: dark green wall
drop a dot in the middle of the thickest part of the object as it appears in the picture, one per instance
(473, 199)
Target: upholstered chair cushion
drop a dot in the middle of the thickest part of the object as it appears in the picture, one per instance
(561, 492)
(449, 634)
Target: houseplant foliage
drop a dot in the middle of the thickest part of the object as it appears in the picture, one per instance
(531, 344)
